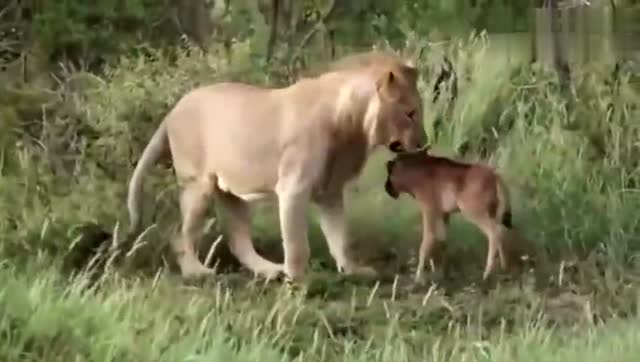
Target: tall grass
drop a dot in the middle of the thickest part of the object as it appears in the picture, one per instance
(571, 163)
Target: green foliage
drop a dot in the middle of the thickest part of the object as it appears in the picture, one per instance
(92, 33)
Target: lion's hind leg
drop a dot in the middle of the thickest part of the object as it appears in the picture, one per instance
(194, 199)
(238, 226)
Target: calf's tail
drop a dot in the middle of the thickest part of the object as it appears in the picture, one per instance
(504, 204)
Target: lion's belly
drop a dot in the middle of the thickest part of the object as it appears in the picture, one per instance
(237, 127)
(247, 194)
(244, 137)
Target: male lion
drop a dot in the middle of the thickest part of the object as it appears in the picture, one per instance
(301, 143)
(442, 186)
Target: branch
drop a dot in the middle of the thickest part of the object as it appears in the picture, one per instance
(227, 8)
(447, 74)
(298, 53)
(7, 8)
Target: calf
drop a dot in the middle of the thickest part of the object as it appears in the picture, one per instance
(442, 186)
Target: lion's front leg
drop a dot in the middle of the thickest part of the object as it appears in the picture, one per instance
(292, 207)
(332, 220)
(301, 166)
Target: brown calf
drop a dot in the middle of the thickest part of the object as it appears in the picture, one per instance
(442, 186)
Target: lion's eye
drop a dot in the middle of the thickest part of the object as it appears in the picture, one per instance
(411, 114)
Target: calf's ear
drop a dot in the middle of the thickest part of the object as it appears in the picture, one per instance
(391, 191)
(389, 166)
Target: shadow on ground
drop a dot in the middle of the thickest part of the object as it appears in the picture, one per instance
(565, 292)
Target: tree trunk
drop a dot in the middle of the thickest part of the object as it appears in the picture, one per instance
(533, 36)
(194, 21)
(273, 36)
(557, 52)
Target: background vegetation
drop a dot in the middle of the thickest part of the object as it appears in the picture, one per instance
(549, 95)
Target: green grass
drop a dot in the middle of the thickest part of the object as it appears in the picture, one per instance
(47, 318)
(573, 173)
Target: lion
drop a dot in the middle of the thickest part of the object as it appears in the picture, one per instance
(442, 186)
(300, 144)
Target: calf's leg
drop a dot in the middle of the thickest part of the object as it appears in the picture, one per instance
(495, 234)
(433, 230)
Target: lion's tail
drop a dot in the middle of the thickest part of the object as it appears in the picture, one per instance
(151, 154)
(504, 204)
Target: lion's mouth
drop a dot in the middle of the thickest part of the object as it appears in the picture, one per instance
(396, 147)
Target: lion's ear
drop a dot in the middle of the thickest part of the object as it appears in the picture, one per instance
(386, 82)
(411, 73)
(410, 62)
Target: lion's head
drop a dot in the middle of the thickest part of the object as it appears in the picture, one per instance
(398, 105)
(399, 125)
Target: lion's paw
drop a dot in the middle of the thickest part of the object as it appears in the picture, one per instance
(196, 271)
(294, 287)
(270, 272)
(362, 271)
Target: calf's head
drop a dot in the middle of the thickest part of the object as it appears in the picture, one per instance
(399, 171)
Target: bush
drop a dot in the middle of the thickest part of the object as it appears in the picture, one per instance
(82, 156)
